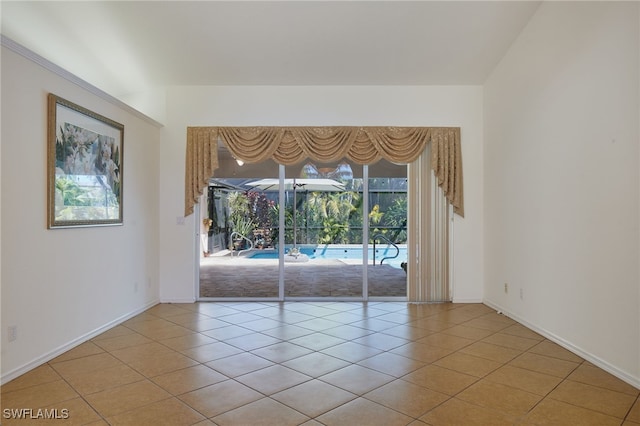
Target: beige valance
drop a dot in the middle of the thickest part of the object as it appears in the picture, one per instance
(291, 145)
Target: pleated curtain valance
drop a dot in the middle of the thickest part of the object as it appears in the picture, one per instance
(291, 145)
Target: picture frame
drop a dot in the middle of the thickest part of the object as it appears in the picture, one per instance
(85, 166)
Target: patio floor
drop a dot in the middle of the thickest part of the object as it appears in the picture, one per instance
(226, 276)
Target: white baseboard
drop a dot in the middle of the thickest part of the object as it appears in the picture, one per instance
(622, 375)
(16, 372)
(178, 300)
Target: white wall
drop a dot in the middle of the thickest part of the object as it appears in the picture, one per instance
(322, 106)
(60, 286)
(562, 186)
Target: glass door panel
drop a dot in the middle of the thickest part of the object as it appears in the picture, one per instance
(323, 231)
(239, 232)
(387, 221)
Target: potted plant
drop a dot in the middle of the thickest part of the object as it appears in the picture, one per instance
(243, 227)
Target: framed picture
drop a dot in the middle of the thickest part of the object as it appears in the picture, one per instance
(84, 166)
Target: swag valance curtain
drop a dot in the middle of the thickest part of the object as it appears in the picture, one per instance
(291, 145)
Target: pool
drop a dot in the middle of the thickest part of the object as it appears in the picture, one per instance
(350, 253)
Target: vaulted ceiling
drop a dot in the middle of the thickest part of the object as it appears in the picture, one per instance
(125, 47)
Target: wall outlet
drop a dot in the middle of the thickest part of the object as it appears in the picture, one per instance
(521, 293)
(506, 288)
(12, 333)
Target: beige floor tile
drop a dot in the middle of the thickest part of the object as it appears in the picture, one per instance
(165, 332)
(86, 364)
(118, 400)
(82, 350)
(314, 397)
(287, 332)
(167, 310)
(356, 379)
(205, 324)
(237, 365)
(431, 324)
(39, 396)
(262, 412)
(634, 413)
(511, 341)
(317, 341)
(188, 379)
(375, 324)
(273, 379)
(446, 341)
(468, 364)
(281, 352)
(467, 332)
(608, 402)
(526, 380)
(219, 398)
(162, 364)
(401, 364)
(168, 412)
(455, 412)
(316, 364)
(492, 352)
(594, 376)
(422, 352)
(124, 341)
(211, 352)
(407, 332)
(406, 397)
(38, 376)
(486, 324)
(544, 364)
(252, 341)
(229, 332)
(347, 332)
(495, 396)
(351, 352)
(381, 341)
(187, 341)
(117, 331)
(554, 350)
(392, 364)
(494, 316)
(187, 318)
(557, 413)
(362, 412)
(440, 379)
(141, 353)
(88, 382)
(522, 331)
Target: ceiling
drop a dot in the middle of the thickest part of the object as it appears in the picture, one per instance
(125, 47)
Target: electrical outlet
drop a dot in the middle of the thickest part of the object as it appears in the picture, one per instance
(12, 333)
(506, 288)
(521, 294)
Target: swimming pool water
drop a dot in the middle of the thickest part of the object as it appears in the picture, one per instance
(341, 252)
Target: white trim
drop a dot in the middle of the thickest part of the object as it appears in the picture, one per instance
(61, 72)
(185, 300)
(24, 368)
(622, 375)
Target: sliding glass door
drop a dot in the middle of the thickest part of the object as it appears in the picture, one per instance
(309, 231)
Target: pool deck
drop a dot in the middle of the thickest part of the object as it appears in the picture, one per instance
(223, 275)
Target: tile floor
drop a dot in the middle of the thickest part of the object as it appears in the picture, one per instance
(324, 363)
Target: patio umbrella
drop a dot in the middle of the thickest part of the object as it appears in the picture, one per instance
(313, 185)
(326, 185)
